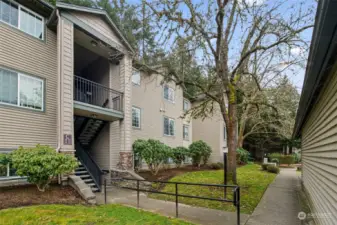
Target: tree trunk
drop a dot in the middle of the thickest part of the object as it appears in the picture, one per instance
(240, 141)
(232, 144)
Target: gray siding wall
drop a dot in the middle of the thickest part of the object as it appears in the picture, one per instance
(319, 153)
(211, 131)
(101, 147)
(31, 56)
(149, 97)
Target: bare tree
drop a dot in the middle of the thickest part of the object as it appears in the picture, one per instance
(223, 36)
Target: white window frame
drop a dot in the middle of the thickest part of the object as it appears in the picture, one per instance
(174, 125)
(188, 103)
(173, 95)
(140, 117)
(133, 72)
(188, 132)
(224, 133)
(18, 102)
(19, 19)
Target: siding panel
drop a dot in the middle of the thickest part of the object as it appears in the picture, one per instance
(319, 152)
(29, 55)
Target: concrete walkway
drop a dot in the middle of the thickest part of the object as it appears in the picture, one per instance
(194, 214)
(280, 203)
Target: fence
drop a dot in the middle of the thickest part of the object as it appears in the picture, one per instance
(235, 200)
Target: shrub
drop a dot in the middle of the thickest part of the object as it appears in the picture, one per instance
(273, 169)
(41, 164)
(287, 159)
(275, 157)
(242, 156)
(299, 168)
(216, 166)
(4, 160)
(154, 152)
(199, 151)
(179, 154)
(275, 161)
(264, 166)
(298, 157)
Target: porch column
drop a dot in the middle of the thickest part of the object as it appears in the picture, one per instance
(65, 49)
(125, 154)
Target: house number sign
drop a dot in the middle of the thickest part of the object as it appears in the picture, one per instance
(67, 139)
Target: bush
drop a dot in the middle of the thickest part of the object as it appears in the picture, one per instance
(275, 157)
(179, 154)
(298, 157)
(275, 161)
(264, 166)
(41, 164)
(216, 166)
(154, 152)
(199, 151)
(242, 156)
(273, 169)
(287, 159)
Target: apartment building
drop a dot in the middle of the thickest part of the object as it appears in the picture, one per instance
(65, 76)
(67, 81)
(158, 109)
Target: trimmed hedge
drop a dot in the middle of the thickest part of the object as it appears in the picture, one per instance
(282, 159)
(273, 169)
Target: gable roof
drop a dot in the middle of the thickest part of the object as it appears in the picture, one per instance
(103, 14)
(322, 55)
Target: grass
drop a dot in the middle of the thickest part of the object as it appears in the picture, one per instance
(79, 214)
(251, 179)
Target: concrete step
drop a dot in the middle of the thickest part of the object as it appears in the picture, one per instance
(88, 180)
(84, 176)
(91, 184)
(83, 172)
(94, 189)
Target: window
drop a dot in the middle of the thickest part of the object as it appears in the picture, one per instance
(186, 132)
(21, 90)
(136, 77)
(168, 93)
(224, 133)
(21, 18)
(136, 117)
(168, 126)
(6, 170)
(186, 105)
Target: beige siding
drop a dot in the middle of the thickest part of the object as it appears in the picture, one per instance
(319, 153)
(101, 148)
(150, 99)
(26, 54)
(98, 24)
(65, 37)
(120, 131)
(211, 131)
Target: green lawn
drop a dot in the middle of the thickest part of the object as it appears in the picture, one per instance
(251, 179)
(81, 215)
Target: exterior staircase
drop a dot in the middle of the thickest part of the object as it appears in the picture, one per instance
(83, 173)
(90, 131)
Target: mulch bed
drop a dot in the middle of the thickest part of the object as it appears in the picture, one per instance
(165, 175)
(29, 195)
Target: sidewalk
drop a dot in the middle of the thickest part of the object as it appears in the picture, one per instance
(280, 203)
(190, 213)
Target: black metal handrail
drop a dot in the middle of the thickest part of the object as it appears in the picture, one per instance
(89, 163)
(94, 93)
(235, 188)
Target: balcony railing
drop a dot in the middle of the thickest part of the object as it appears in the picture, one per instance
(96, 94)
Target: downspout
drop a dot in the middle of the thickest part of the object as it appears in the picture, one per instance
(58, 86)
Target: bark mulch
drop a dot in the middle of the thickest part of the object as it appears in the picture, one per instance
(29, 195)
(165, 175)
